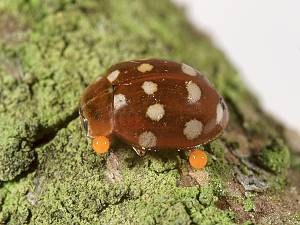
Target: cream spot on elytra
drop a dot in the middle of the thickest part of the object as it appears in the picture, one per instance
(147, 139)
(155, 112)
(113, 76)
(119, 101)
(219, 113)
(188, 70)
(194, 92)
(145, 67)
(149, 87)
(193, 129)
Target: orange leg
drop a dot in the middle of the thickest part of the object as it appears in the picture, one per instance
(198, 159)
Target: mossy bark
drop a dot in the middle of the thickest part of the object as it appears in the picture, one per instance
(50, 51)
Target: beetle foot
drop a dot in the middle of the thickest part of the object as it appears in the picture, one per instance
(140, 151)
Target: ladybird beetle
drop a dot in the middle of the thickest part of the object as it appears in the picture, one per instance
(153, 104)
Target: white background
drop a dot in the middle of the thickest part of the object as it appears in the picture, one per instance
(262, 39)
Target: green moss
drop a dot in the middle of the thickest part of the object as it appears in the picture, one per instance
(217, 149)
(249, 205)
(296, 218)
(20, 152)
(14, 206)
(275, 156)
(207, 195)
(163, 161)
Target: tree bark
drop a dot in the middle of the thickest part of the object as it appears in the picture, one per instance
(51, 50)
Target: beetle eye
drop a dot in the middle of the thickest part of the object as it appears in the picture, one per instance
(84, 121)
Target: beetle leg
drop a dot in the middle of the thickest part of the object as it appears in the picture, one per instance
(140, 151)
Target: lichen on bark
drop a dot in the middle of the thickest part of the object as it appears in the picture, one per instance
(50, 51)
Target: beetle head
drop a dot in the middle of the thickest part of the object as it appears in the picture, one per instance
(96, 109)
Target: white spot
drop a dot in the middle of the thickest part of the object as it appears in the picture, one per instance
(98, 79)
(155, 112)
(219, 113)
(194, 92)
(119, 101)
(145, 67)
(193, 129)
(147, 139)
(113, 76)
(149, 87)
(188, 70)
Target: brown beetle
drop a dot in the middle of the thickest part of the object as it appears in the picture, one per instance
(153, 104)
